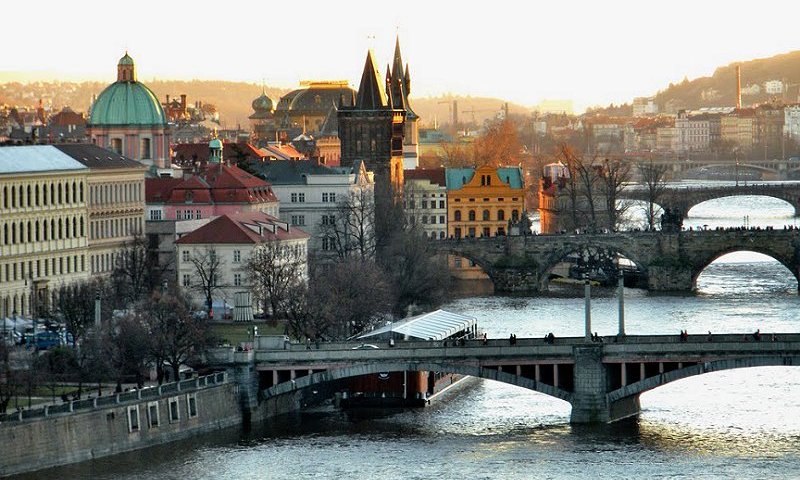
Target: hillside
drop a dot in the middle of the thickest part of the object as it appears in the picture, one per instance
(233, 99)
(720, 88)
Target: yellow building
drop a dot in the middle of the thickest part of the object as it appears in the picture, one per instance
(482, 202)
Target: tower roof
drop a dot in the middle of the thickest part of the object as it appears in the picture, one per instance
(400, 83)
(371, 95)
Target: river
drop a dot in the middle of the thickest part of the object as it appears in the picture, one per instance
(732, 424)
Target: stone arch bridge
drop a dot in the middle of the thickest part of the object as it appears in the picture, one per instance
(681, 199)
(601, 380)
(669, 261)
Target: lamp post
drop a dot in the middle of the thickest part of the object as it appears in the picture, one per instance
(587, 292)
(621, 297)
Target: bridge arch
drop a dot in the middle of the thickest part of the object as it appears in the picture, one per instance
(368, 368)
(558, 256)
(696, 200)
(704, 261)
(637, 388)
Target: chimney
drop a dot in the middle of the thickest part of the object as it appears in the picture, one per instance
(738, 87)
(167, 100)
(183, 101)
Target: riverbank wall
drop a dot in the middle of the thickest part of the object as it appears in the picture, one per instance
(93, 428)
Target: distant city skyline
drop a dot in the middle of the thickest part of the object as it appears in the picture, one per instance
(593, 53)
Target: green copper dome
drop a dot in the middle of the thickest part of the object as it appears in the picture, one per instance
(127, 103)
(126, 60)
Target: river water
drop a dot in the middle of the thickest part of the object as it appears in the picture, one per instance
(733, 424)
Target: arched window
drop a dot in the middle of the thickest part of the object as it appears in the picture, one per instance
(13, 233)
(471, 215)
(74, 192)
(60, 228)
(82, 230)
(29, 198)
(5, 234)
(486, 215)
(60, 198)
(29, 232)
(81, 197)
(53, 199)
(13, 196)
(5, 197)
(44, 231)
(501, 215)
(514, 215)
(74, 227)
(458, 215)
(36, 190)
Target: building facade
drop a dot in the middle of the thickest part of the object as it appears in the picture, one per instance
(425, 201)
(309, 193)
(482, 201)
(44, 239)
(232, 239)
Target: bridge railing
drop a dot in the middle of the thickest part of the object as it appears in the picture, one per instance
(122, 398)
(557, 341)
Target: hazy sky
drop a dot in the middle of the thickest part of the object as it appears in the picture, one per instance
(593, 52)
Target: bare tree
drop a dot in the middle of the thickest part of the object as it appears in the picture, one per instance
(418, 276)
(350, 230)
(615, 176)
(177, 334)
(274, 269)
(75, 306)
(654, 178)
(138, 271)
(583, 186)
(131, 344)
(207, 268)
(344, 299)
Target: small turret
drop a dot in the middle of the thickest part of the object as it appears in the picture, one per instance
(126, 70)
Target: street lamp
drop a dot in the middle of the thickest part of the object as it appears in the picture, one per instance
(621, 296)
(587, 292)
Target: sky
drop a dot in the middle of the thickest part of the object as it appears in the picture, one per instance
(593, 52)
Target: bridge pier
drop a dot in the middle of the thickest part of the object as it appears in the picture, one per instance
(590, 402)
(515, 280)
(670, 278)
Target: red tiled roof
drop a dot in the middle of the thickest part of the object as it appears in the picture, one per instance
(242, 228)
(189, 152)
(435, 175)
(220, 183)
(158, 190)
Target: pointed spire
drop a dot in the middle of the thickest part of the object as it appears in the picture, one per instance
(397, 66)
(371, 95)
(389, 90)
(407, 81)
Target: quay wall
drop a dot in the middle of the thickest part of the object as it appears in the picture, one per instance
(31, 444)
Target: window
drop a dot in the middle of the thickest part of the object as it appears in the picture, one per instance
(424, 219)
(191, 405)
(152, 414)
(329, 219)
(133, 419)
(298, 220)
(145, 149)
(501, 215)
(174, 410)
(471, 232)
(457, 262)
(185, 255)
(441, 204)
(187, 280)
(441, 219)
(472, 215)
(237, 279)
(177, 214)
(237, 256)
(329, 197)
(116, 145)
(457, 232)
(327, 243)
(298, 197)
(293, 198)
(486, 215)
(197, 214)
(424, 204)
(458, 215)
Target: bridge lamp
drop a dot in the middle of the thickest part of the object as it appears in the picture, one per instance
(587, 293)
(621, 296)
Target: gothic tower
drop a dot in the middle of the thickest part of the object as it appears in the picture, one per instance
(400, 88)
(371, 130)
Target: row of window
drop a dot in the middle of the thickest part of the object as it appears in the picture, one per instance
(485, 199)
(486, 215)
(144, 147)
(10, 272)
(117, 227)
(186, 256)
(298, 220)
(154, 415)
(425, 219)
(300, 197)
(15, 233)
(485, 232)
(411, 204)
(108, 194)
(42, 194)
(181, 215)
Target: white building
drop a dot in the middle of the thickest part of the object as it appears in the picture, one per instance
(773, 87)
(232, 239)
(791, 122)
(425, 201)
(308, 193)
(644, 106)
(43, 226)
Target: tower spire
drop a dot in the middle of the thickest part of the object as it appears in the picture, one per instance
(371, 95)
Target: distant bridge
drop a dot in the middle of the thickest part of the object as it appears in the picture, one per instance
(681, 199)
(601, 380)
(670, 261)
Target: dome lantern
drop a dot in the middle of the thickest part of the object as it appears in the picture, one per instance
(126, 71)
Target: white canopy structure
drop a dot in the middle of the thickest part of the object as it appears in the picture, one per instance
(436, 325)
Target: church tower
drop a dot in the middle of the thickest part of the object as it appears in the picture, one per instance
(400, 88)
(371, 130)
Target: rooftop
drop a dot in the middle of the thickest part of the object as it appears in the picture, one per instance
(35, 159)
(436, 325)
(242, 228)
